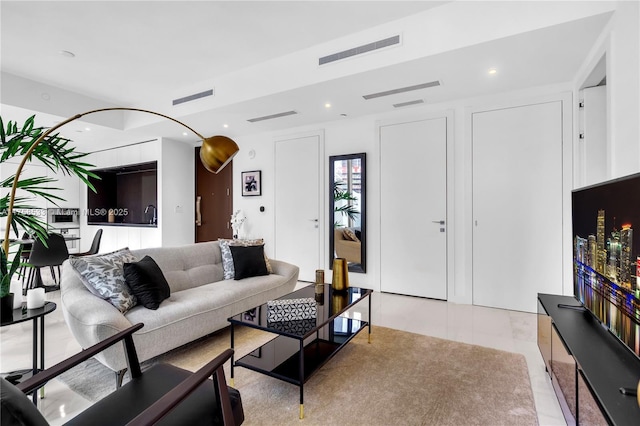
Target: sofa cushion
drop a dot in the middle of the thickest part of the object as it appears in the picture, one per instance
(248, 261)
(350, 235)
(227, 258)
(147, 283)
(195, 312)
(103, 275)
(187, 266)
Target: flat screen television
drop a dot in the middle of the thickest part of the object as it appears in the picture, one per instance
(606, 255)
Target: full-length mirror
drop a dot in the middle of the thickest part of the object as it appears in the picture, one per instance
(347, 210)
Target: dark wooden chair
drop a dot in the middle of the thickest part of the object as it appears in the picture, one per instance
(162, 394)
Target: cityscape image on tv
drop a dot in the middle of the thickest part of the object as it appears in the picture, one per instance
(607, 257)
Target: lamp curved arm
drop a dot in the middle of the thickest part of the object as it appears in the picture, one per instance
(216, 153)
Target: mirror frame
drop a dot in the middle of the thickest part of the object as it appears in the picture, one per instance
(363, 209)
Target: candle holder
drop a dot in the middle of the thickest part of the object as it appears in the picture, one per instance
(35, 298)
(319, 289)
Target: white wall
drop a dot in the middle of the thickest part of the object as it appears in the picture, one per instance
(176, 193)
(353, 135)
(620, 43)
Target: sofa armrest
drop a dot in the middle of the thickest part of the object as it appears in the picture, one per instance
(285, 269)
(90, 318)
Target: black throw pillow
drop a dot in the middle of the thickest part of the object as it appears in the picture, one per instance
(248, 261)
(147, 282)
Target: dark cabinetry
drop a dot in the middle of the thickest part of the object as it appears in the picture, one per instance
(587, 364)
(124, 195)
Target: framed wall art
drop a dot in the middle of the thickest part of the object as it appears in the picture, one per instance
(251, 183)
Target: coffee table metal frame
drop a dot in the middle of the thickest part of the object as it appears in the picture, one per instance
(313, 350)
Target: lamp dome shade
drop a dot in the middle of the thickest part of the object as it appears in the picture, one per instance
(216, 152)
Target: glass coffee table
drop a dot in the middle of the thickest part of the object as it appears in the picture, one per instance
(302, 346)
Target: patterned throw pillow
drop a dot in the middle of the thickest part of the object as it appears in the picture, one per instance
(103, 275)
(350, 235)
(227, 258)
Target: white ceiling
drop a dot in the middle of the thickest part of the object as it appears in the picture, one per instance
(129, 51)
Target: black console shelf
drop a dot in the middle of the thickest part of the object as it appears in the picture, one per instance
(606, 364)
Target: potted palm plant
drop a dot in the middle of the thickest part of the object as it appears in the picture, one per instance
(55, 153)
(341, 193)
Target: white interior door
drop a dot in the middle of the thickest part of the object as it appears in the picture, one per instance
(413, 200)
(297, 209)
(517, 205)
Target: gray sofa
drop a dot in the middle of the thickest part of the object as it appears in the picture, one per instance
(201, 301)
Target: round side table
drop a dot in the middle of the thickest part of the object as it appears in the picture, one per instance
(21, 315)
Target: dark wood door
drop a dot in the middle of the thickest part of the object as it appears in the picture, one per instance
(214, 195)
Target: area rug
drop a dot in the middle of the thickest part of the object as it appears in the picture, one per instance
(398, 378)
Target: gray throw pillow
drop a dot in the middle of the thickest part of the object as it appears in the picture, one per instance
(103, 275)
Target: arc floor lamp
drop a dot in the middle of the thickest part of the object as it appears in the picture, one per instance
(216, 152)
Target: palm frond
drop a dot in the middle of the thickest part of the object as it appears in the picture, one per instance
(55, 153)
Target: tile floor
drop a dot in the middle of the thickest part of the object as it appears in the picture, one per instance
(496, 328)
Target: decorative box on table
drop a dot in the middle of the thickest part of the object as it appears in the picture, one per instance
(291, 309)
(294, 326)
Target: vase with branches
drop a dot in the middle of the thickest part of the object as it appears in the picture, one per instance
(54, 152)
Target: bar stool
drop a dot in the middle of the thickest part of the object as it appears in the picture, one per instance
(95, 245)
(51, 255)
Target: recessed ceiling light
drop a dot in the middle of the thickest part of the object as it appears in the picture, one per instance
(493, 71)
(185, 134)
(327, 105)
(225, 126)
(88, 129)
(67, 54)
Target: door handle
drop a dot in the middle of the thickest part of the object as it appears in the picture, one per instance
(439, 222)
(198, 214)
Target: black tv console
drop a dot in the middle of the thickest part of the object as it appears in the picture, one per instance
(588, 365)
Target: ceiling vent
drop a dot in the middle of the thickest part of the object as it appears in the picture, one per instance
(193, 97)
(272, 116)
(402, 90)
(404, 104)
(360, 50)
